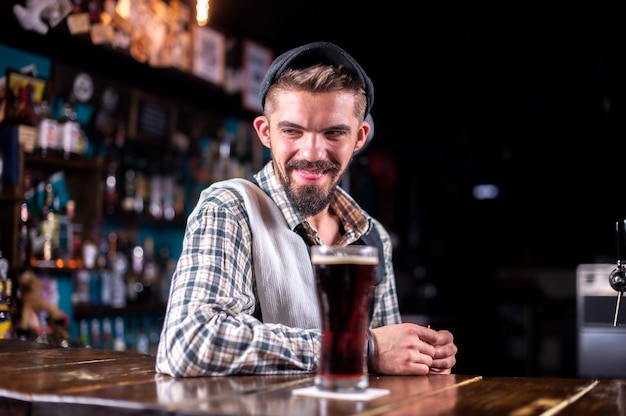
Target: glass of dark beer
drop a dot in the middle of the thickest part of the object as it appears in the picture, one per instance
(344, 278)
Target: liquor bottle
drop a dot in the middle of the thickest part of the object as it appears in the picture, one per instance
(119, 344)
(81, 287)
(150, 276)
(118, 266)
(24, 235)
(107, 333)
(155, 206)
(66, 236)
(166, 269)
(141, 191)
(69, 131)
(96, 341)
(74, 237)
(142, 343)
(47, 131)
(168, 185)
(134, 280)
(26, 220)
(49, 227)
(178, 169)
(112, 182)
(84, 332)
(106, 276)
(128, 202)
(153, 337)
(5, 299)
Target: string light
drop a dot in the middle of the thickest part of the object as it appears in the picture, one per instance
(202, 12)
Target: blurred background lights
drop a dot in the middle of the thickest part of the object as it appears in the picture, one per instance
(202, 12)
(486, 191)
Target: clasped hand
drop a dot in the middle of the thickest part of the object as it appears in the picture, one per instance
(411, 349)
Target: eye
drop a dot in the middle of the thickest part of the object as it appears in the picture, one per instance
(290, 132)
(334, 134)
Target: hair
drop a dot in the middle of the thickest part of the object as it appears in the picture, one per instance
(319, 78)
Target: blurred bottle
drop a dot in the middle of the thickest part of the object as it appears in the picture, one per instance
(155, 205)
(153, 338)
(107, 333)
(49, 227)
(106, 275)
(135, 290)
(128, 201)
(150, 275)
(5, 299)
(26, 222)
(84, 332)
(118, 264)
(119, 343)
(166, 267)
(142, 343)
(112, 182)
(96, 341)
(47, 132)
(70, 136)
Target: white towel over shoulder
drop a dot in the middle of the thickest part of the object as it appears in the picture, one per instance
(282, 266)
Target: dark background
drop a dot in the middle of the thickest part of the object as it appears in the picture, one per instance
(525, 95)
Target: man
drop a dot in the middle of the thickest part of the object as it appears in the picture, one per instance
(241, 298)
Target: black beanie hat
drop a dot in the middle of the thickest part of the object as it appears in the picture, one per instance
(312, 54)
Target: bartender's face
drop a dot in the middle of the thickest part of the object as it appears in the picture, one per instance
(312, 137)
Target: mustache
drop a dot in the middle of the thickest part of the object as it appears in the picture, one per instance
(317, 165)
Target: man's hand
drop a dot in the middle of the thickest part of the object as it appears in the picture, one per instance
(411, 349)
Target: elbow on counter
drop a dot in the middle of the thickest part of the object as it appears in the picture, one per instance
(179, 355)
(173, 363)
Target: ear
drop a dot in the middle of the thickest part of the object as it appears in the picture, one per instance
(362, 135)
(262, 126)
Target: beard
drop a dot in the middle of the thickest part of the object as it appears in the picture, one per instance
(309, 200)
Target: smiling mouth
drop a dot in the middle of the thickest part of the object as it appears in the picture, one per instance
(310, 174)
(312, 171)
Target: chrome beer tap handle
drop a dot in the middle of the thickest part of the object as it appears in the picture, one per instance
(617, 278)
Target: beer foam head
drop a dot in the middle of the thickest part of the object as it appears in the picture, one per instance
(331, 259)
(355, 254)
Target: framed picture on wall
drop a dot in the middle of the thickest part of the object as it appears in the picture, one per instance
(24, 94)
(151, 119)
(209, 51)
(256, 61)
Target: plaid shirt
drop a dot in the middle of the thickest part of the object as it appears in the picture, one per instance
(210, 326)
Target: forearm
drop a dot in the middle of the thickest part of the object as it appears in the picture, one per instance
(217, 343)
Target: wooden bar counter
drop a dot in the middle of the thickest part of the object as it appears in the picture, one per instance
(37, 380)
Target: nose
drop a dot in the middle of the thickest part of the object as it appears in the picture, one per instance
(313, 147)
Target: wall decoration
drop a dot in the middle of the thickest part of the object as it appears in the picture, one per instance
(23, 61)
(24, 95)
(209, 54)
(151, 119)
(256, 61)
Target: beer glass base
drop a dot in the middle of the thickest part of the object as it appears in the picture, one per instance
(342, 385)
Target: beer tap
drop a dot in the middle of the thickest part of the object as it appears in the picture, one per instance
(617, 278)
